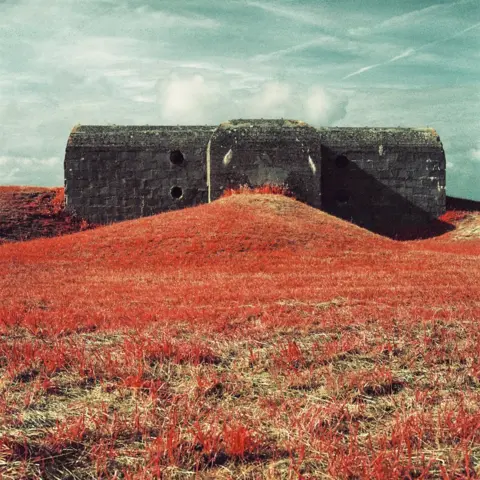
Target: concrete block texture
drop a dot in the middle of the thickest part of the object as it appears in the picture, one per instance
(259, 152)
(380, 178)
(146, 169)
(377, 177)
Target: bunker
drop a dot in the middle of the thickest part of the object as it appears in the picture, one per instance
(380, 178)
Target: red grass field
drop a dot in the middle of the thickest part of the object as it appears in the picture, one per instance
(254, 337)
(32, 212)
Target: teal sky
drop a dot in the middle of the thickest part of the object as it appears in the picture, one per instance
(327, 62)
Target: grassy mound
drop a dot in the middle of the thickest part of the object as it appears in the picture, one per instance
(254, 337)
(33, 212)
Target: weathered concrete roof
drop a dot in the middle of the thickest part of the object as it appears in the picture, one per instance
(144, 136)
(366, 136)
(276, 123)
(132, 136)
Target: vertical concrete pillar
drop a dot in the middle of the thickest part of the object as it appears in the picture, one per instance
(259, 152)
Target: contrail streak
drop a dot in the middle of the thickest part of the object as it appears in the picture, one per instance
(410, 51)
(364, 69)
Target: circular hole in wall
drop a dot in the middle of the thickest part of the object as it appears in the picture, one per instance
(176, 192)
(342, 161)
(342, 197)
(176, 157)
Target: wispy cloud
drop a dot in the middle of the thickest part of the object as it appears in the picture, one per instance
(169, 20)
(408, 18)
(412, 16)
(328, 44)
(318, 41)
(409, 52)
(475, 154)
(297, 14)
(30, 171)
(471, 27)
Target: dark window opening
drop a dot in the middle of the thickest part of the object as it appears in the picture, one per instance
(176, 192)
(176, 157)
(342, 161)
(342, 197)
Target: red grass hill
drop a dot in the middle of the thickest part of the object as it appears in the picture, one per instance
(32, 212)
(253, 334)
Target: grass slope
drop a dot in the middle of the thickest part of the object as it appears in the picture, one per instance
(254, 337)
(32, 212)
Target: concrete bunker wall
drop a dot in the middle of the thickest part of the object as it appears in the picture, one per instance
(380, 178)
(115, 173)
(257, 152)
(383, 178)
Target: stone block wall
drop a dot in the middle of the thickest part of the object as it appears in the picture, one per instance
(255, 153)
(117, 173)
(383, 179)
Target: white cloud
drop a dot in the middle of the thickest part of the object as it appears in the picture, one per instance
(316, 105)
(325, 108)
(450, 166)
(273, 100)
(194, 99)
(475, 154)
(187, 100)
(30, 171)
